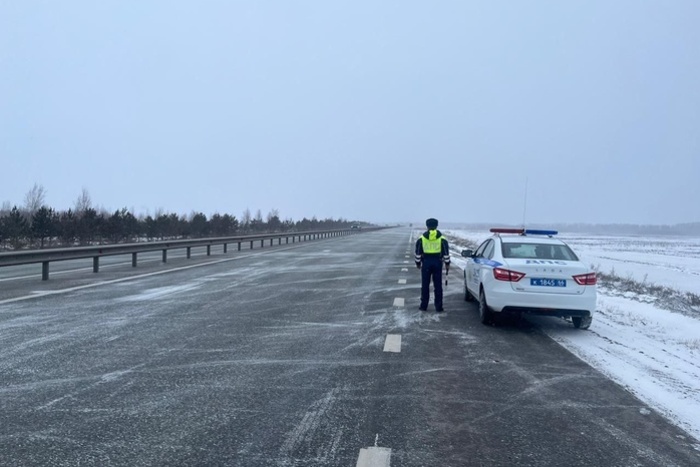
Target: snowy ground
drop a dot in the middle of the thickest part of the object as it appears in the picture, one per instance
(652, 351)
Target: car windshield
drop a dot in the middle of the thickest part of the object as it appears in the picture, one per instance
(538, 251)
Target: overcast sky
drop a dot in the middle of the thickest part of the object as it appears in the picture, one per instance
(367, 110)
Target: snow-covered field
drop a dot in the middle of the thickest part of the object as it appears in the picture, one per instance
(652, 351)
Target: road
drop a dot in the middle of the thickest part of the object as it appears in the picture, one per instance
(297, 355)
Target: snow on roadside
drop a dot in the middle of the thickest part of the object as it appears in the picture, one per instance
(672, 261)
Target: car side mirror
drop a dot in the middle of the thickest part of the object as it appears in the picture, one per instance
(467, 253)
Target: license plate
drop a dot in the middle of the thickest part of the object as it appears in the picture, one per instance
(547, 282)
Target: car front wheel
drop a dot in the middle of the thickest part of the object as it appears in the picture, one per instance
(467, 296)
(484, 312)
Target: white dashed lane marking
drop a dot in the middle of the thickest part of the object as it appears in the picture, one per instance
(404, 269)
(374, 457)
(392, 343)
(402, 281)
(399, 301)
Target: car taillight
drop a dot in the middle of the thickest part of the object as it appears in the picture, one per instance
(586, 279)
(507, 275)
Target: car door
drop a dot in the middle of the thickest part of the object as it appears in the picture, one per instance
(475, 266)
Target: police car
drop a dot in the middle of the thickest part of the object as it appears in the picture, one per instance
(529, 271)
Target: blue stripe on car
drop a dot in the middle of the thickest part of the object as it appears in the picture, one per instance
(488, 262)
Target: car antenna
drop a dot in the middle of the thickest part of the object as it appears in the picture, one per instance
(525, 203)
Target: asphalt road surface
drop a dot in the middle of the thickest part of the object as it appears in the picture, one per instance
(313, 354)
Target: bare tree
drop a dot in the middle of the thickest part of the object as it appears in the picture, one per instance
(274, 223)
(245, 219)
(34, 199)
(272, 214)
(83, 202)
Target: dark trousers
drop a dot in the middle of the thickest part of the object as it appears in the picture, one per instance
(432, 268)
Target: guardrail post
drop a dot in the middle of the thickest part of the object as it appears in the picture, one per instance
(239, 246)
(251, 244)
(279, 241)
(286, 239)
(189, 252)
(133, 260)
(165, 256)
(225, 247)
(262, 243)
(208, 250)
(95, 264)
(45, 271)
(271, 241)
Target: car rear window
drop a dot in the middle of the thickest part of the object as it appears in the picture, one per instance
(537, 251)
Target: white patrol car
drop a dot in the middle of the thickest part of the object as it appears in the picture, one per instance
(529, 271)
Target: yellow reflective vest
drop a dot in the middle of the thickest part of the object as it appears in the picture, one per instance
(433, 244)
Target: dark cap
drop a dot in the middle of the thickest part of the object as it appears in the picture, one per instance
(431, 223)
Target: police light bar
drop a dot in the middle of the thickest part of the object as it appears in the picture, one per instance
(540, 232)
(510, 231)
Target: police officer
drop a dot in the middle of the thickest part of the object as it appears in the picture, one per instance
(432, 250)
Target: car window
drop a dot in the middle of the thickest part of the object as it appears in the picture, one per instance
(480, 251)
(538, 251)
(488, 252)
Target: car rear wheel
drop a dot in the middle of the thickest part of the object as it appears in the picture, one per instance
(484, 312)
(582, 322)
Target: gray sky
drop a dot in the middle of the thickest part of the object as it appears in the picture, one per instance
(372, 110)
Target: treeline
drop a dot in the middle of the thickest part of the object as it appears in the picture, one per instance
(46, 227)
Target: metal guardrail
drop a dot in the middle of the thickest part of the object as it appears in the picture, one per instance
(46, 256)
